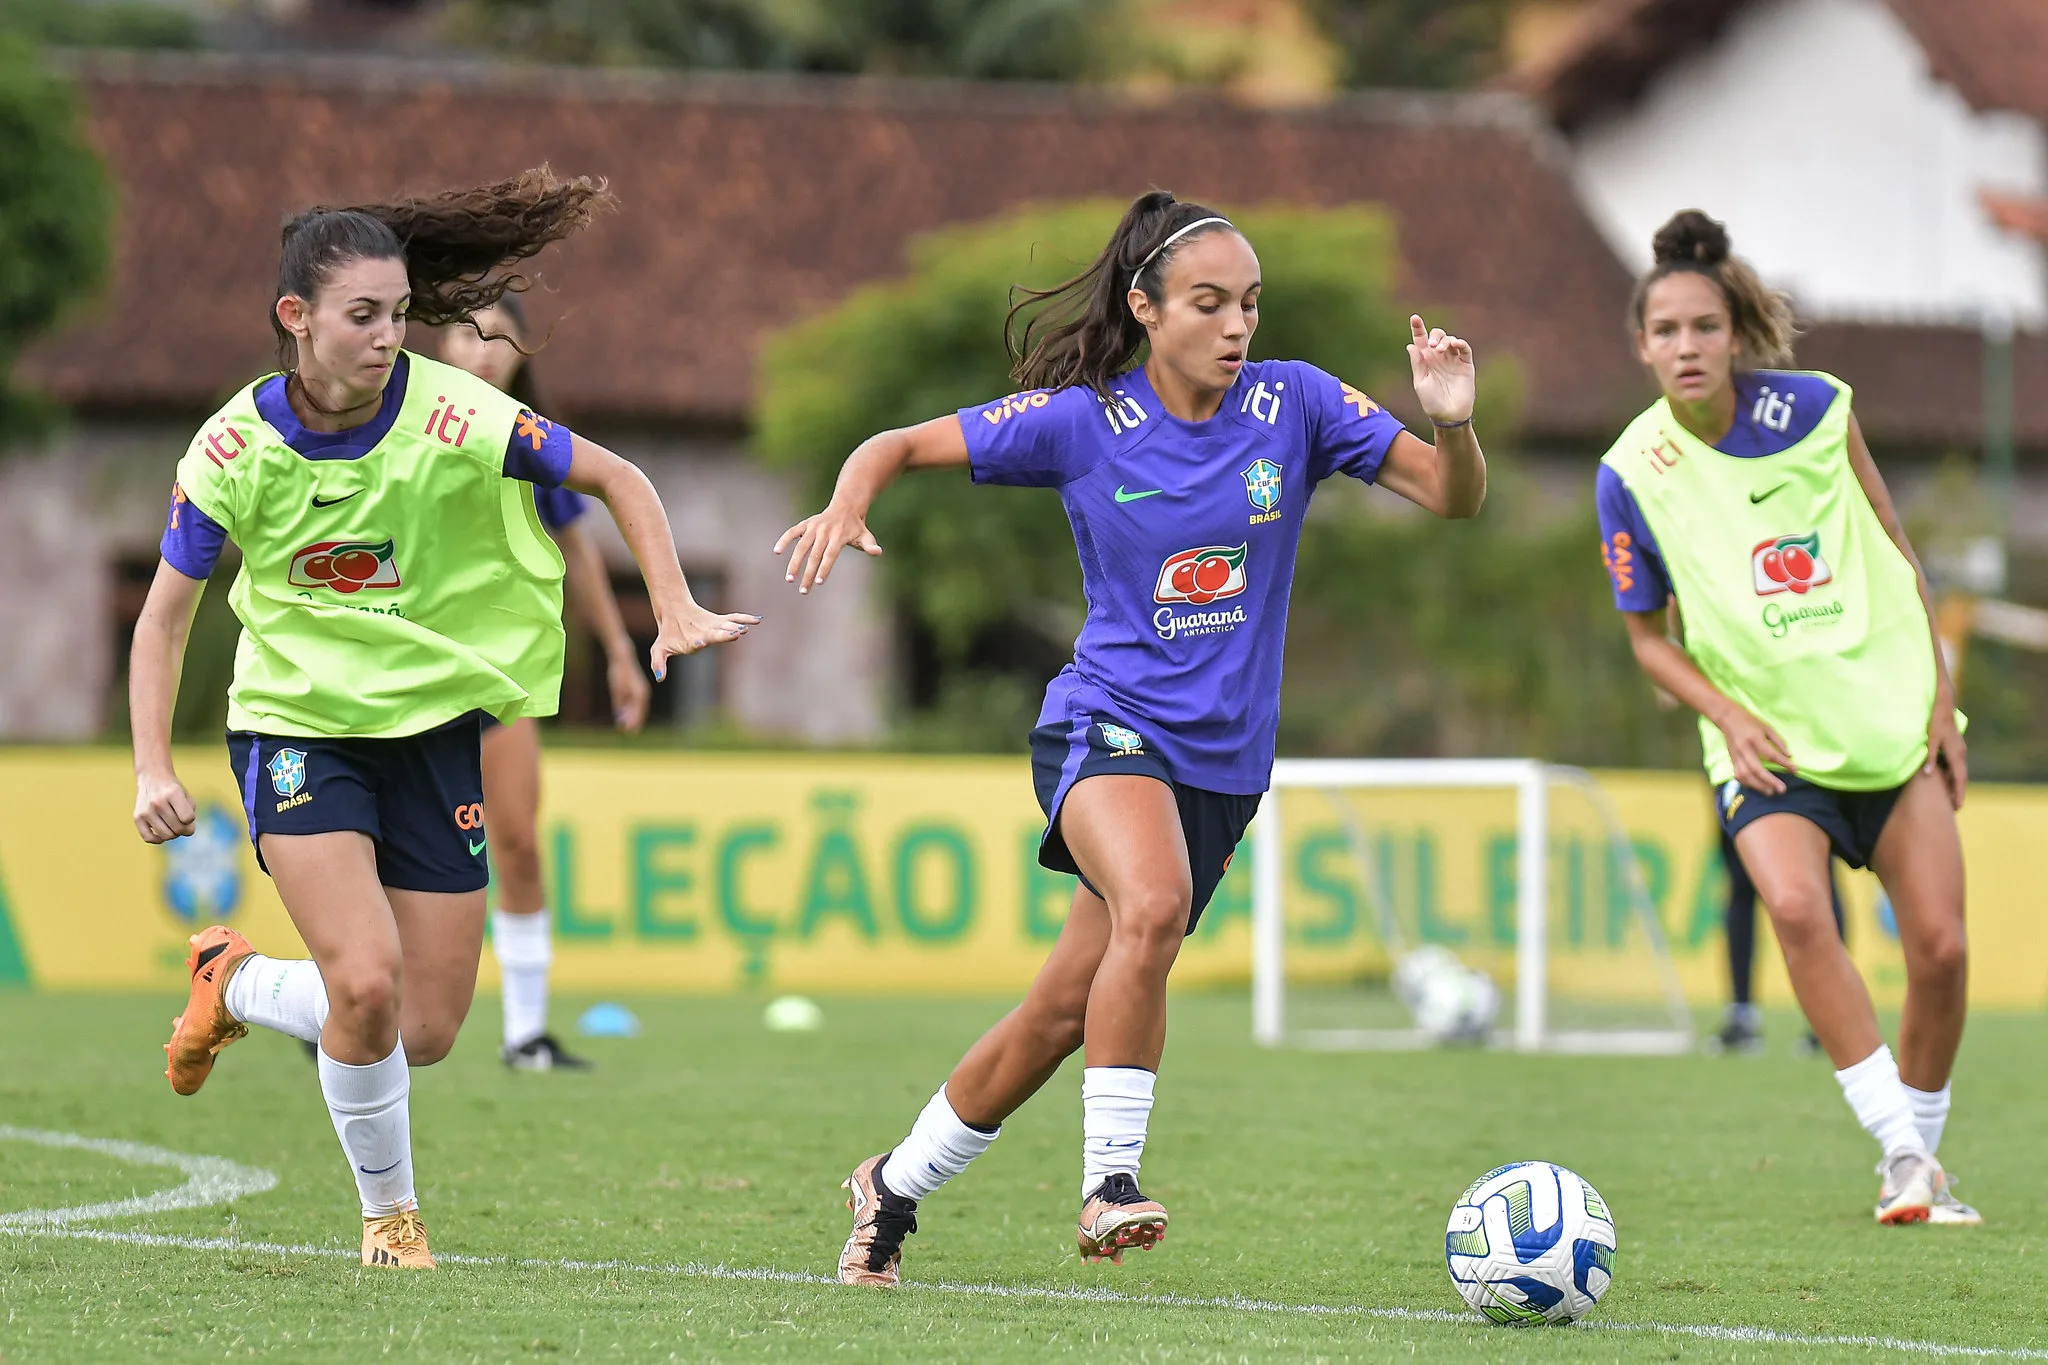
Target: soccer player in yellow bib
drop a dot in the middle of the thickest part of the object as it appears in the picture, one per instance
(493, 348)
(395, 588)
(1827, 717)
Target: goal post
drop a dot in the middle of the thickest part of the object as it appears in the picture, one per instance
(1664, 1022)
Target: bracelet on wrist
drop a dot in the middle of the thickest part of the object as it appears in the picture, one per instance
(1450, 426)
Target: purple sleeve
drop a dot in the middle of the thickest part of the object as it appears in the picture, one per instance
(192, 540)
(1031, 439)
(1627, 547)
(1348, 432)
(539, 450)
(559, 506)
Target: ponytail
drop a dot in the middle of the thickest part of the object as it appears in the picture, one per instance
(1083, 331)
(1761, 317)
(454, 244)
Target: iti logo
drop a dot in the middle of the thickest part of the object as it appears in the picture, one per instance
(1263, 403)
(1789, 564)
(1262, 484)
(347, 566)
(1201, 576)
(1118, 738)
(1123, 414)
(287, 769)
(1773, 410)
(447, 425)
(221, 446)
(1015, 405)
(203, 873)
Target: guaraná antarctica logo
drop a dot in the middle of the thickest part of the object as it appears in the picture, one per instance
(1789, 564)
(203, 873)
(347, 566)
(1199, 577)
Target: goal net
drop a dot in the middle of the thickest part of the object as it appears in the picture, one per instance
(1409, 903)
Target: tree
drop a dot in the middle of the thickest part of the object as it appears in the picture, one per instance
(55, 206)
(105, 23)
(1000, 39)
(1409, 43)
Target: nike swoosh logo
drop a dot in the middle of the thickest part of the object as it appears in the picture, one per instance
(475, 849)
(392, 1167)
(1755, 498)
(1122, 496)
(330, 502)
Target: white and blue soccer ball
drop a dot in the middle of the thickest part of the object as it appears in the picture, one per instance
(1449, 1001)
(1530, 1245)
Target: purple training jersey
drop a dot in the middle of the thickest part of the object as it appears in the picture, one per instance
(1187, 533)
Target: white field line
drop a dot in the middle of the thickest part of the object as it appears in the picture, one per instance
(214, 1180)
(238, 1180)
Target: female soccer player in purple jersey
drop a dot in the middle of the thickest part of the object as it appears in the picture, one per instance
(1186, 480)
(492, 349)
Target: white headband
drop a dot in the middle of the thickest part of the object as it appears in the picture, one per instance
(1199, 222)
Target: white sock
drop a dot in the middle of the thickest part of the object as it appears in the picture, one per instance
(939, 1147)
(279, 993)
(1874, 1091)
(1930, 1114)
(1116, 1103)
(372, 1113)
(524, 954)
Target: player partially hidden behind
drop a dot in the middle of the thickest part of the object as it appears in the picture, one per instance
(394, 590)
(493, 348)
(1186, 481)
(1827, 716)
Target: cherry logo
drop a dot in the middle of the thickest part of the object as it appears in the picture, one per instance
(1201, 576)
(1789, 564)
(347, 566)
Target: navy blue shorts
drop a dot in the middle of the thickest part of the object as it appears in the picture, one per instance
(420, 799)
(1212, 822)
(1851, 820)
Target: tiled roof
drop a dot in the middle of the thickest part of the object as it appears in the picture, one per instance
(750, 201)
(1994, 52)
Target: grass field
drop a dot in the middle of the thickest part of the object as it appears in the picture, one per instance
(708, 1151)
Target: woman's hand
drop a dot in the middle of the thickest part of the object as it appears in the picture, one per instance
(819, 539)
(1946, 752)
(1446, 381)
(163, 809)
(629, 688)
(1752, 744)
(691, 629)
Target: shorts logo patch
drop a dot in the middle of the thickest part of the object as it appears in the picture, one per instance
(287, 769)
(1731, 798)
(1120, 739)
(470, 816)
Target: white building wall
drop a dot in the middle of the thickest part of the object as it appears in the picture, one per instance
(1843, 169)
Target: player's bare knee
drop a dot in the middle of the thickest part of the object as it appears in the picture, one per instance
(1803, 920)
(1944, 957)
(428, 1043)
(516, 855)
(1153, 921)
(364, 996)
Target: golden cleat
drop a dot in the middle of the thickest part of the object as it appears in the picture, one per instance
(397, 1241)
(1116, 1218)
(198, 1035)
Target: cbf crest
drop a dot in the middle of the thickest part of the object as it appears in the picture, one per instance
(287, 770)
(1120, 739)
(1262, 484)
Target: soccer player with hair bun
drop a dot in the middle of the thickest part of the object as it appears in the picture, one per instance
(1827, 717)
(1186, 479)
(492, 346)
(395, 588)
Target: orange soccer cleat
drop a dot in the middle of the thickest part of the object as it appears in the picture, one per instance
(398, 1241)
(1117, 1218)
(206, 1026)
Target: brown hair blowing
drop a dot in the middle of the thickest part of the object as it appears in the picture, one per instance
(1761, 317)
(1083, 331)
(456, 245)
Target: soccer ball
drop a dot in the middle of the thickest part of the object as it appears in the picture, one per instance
(1449, 1001)
(1531, 1244)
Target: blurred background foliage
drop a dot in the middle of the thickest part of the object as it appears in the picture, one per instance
(55, 210)
(1409, 635)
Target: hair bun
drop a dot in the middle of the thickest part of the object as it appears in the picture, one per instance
(1691, 236)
